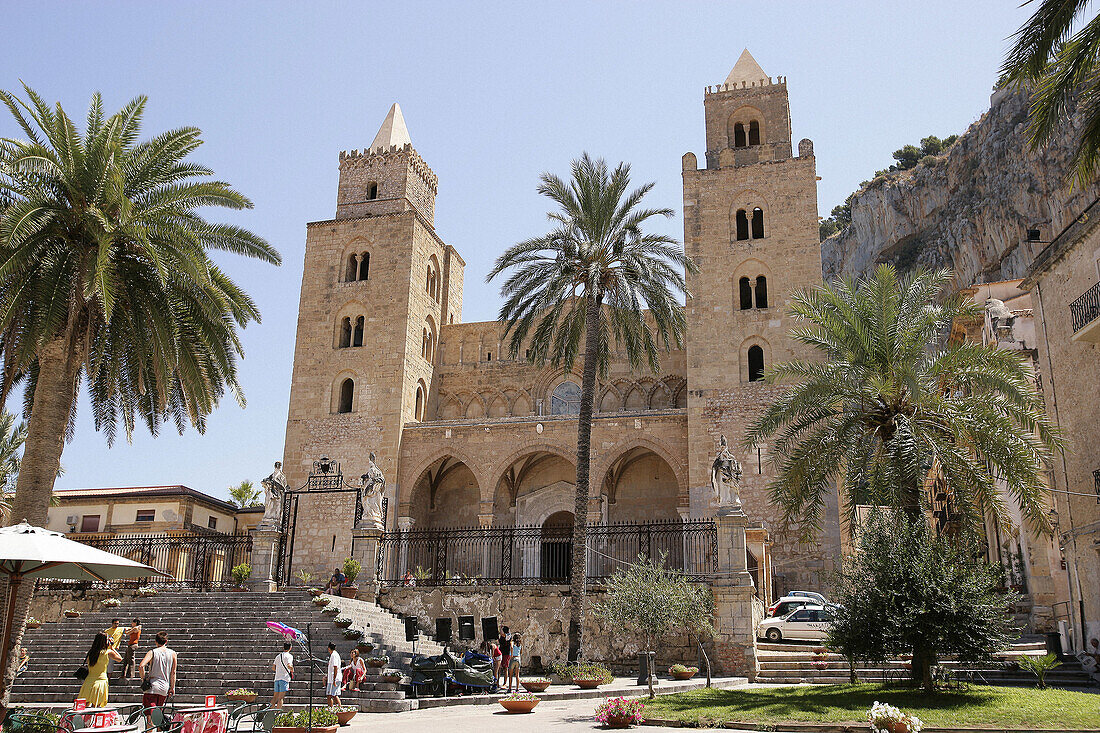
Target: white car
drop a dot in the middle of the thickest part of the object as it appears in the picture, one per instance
(808, 622)
(813, 596)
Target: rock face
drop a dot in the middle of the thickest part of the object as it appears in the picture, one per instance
(970, 208)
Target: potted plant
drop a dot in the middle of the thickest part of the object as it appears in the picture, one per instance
(241, 574)
(110, 603)
(519, 702)
(324, 721)
(241, 694)
(680, 672)
(364, 647)
(330, 609)
(620, 712)
(352, 633)
(344, 713)
(392, 676)
(315, 592)
(33, 623)
(342, 621)
(376, 662)
(820, 661)
(351, 572)
(535, 684)
(72, 613)
(304, 576)
(889, 719)
(321, 601)
(146, 591)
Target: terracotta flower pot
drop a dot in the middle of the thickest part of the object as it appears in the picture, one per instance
(315, 592)
(364, 647)
(376, 663)
(620, 721)
(535, 686)
(242, 698)
(591, 684)
(685, 675)
(343, 624)
(33, 624)
(349, 591)
(71, 615)
(345, 718)
(519, 706)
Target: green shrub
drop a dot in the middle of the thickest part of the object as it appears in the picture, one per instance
(571, 671)
(241, 572)
(352, 567)
(1039, 666)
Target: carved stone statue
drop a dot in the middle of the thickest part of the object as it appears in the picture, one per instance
(725, 479)
(374, 485)
(275, 487)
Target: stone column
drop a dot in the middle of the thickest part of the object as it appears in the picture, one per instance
(365, 544)
(737, 610)
(265, 557)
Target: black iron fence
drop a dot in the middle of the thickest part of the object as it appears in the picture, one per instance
(540, 555)
(193, 560)
(1086, 308)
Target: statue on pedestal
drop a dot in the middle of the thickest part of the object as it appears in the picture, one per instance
(725, 479)
(374, 485)
(275, 488)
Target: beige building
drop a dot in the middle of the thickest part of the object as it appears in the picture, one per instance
(145, 509)
(469, 436)
(1064, 281)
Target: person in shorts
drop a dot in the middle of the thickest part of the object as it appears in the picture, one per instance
(514, 661)
(162, 664)
(283, 666)
(332, 676)
(133, 635)
(504, 644)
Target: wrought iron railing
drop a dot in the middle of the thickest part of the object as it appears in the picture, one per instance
(202, 561)
(539, 555)
(1086, 308)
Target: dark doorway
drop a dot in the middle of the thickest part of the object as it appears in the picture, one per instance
(556, 548)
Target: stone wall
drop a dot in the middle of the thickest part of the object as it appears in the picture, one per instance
(540, 614)
(50, 605)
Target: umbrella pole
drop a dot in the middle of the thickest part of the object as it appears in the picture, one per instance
(13, 588)
(309, 650)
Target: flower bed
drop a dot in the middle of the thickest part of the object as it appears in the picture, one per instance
(620, 712)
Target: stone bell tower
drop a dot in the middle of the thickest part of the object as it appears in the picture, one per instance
(377, 285)
(750, 224)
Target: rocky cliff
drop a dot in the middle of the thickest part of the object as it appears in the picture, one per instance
(969, 208)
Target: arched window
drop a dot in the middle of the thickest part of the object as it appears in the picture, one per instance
(754, 133)
(742, 220)
(757, 223)
(566, 399)
(761, 292)
(347, 395)
(431, 283)
(744, 288)
(739, 135)
(756, 363)
(351, 270)
(372, 191)
(428, 346)
(364, 266)
(418, 411)
(345, 333)
(357, 337)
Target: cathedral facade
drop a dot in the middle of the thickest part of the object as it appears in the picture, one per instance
(469, 437)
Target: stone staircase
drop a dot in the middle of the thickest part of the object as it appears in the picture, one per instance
(793, 662)
(223, 643)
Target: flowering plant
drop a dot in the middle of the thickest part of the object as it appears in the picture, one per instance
(71, 612)
(352, 633)
(145, 591)
(241, 691)
(537, 680)
(681, 669)
(620, 708)
(321, 601)
(889, 719)
(342, 621)
(111, 602)
(520, 696)
(344, 708)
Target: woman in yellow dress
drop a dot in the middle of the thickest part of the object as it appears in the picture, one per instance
(94, 688)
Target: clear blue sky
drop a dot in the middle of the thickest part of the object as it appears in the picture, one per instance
(493, 94)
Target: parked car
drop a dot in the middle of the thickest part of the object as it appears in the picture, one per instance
(796, 599)
(807, 622)
(814, 596)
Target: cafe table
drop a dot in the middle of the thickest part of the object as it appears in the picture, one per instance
(201, 719)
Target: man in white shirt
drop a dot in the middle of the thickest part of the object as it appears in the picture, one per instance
(332, 676)
(284, 673)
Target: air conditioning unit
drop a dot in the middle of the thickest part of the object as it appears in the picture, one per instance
(72, 519)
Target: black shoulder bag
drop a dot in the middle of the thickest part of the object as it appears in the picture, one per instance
(81, 672)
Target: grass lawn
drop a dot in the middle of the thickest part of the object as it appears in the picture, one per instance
(979, 707)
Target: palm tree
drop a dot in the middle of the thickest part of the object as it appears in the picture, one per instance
(885, 406)
(1062, 67)
(245, 494)
(585, 282)
(105, 276)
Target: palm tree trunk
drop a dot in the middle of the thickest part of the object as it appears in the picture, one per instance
(52, 404)
(584, 451)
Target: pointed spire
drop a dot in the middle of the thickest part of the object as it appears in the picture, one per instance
(392, 131)
(745, 70)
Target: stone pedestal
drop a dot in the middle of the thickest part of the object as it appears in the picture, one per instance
(738, 611)
(265, 551)
(365, 544)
